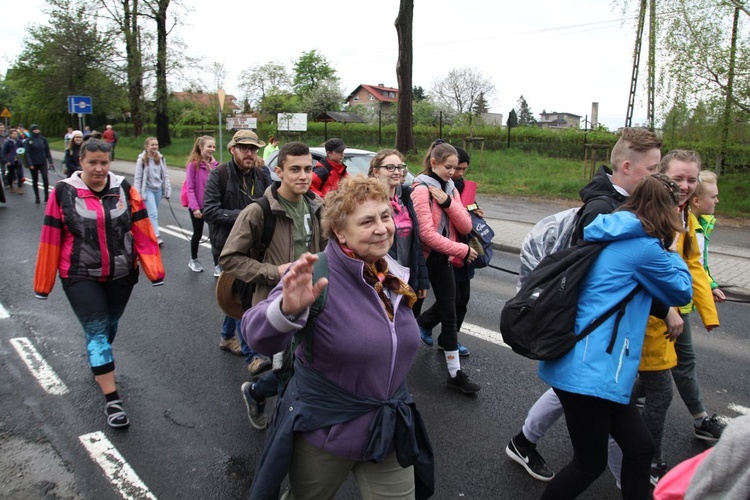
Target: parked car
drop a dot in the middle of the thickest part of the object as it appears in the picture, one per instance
(357, 161)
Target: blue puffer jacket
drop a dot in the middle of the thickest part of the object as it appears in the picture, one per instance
(631, 258)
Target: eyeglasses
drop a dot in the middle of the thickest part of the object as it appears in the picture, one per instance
(97, 146)
(391, 168)
(671, 186)
(247, 147)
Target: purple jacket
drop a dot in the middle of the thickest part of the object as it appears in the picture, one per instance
(355, 345)
(196, 179)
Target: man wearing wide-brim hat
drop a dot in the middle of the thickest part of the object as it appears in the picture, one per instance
(230, 188)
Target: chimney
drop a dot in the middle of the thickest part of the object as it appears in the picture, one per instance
(594, 115)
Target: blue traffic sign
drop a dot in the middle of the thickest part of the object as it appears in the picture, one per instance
(80, 104)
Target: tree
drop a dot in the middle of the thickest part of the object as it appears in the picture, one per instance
(461, 89)
(326, 96)
(124, 15)
(512, 122)
(67, 56)
(405, 126)
(480, 106)
(525, 116)
(419, 94)
(261, 80)
(157, 10)
(310, 70)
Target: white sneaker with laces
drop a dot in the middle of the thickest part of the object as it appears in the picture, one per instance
(195, 266)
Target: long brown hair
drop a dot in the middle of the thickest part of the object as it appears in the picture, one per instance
(653, 201)
(439, 151)
(196, 154)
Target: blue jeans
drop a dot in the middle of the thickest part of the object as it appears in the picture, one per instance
(152, 199)
(229, 328)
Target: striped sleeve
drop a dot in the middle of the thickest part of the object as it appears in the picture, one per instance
(144, 240)
(50, 246)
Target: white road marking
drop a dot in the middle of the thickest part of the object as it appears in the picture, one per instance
(744, 410)
(122, 476)
(38, 367)
(484, 334)
(3, 313)
(175, 231)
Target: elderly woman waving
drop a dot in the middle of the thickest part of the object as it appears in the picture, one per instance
(347, 407)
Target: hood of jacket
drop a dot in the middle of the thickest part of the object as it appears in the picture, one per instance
(613, 227)
(601, 185)
(429, 181)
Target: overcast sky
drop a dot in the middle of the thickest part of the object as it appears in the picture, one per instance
(561, 55)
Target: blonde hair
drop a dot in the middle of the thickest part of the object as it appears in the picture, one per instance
(352, 191)
(144, 155)
(439, 151)
(705, 177)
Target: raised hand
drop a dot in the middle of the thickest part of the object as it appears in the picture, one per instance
(299, 292)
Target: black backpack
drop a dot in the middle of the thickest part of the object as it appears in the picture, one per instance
(539, 321)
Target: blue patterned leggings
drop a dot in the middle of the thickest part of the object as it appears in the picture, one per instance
(99, 306)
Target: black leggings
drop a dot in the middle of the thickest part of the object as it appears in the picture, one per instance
(195, 240)
(443, 311)
(35, 171)
(591, 421)
(463, 294)
(99, 306)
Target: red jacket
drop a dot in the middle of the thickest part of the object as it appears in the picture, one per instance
(104, 239)
(326, 176)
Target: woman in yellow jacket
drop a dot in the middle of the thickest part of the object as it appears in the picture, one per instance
(662, 353)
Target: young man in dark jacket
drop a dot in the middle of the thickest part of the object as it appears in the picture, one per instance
(38, 157)
(230, 188)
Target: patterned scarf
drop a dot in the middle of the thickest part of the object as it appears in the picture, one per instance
(377, 276)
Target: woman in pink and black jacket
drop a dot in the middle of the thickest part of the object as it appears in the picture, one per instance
(442, 218)
(200, 162)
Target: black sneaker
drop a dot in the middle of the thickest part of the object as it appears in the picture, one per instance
(710, 429)
(461, 383)
(658, 471)
(530, 459)
(255, 409)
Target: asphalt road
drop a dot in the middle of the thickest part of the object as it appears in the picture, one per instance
(190, 437)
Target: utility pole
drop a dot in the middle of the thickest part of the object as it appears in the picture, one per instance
(651, 5)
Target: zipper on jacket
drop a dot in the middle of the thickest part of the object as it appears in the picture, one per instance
(624, 352)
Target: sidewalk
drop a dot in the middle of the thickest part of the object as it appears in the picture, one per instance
(730, 265)
(512, 218)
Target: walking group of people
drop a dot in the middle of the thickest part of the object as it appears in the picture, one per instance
(295, 254)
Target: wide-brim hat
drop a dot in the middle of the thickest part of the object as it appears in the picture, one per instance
(228, 297)
(245, 137)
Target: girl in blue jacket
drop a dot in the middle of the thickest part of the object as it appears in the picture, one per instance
(594, 387)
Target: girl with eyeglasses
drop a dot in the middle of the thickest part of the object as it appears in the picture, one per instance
(388, 166)
(152, 181)
(95, 217)
(442, 219)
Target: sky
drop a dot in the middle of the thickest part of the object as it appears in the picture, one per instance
(561, 55)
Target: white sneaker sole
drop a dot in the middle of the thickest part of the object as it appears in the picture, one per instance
(523, 464)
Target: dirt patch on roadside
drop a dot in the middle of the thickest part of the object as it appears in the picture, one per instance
(33, 470)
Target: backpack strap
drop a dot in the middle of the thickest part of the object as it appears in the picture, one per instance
(618, 308)
(223, 178)
(320, 270)
(269, 226)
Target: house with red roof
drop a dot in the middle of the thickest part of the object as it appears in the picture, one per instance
(373, 94)
(207, 100)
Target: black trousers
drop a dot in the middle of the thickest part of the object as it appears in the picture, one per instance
(443, 311)
(591, 421)
(35, 171)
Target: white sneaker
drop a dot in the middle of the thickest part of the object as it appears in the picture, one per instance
(195, 266)
(217, 271)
